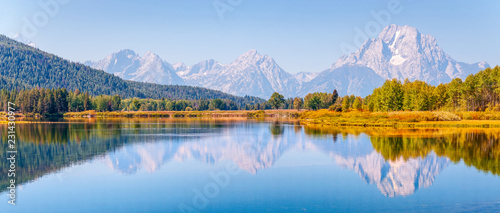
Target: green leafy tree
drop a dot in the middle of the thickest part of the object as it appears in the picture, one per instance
(203, 105)
(345, 104)
(276, 100)
(314, 103)
(217, 104)
(297, 103)
(116, 103)
(357, 104)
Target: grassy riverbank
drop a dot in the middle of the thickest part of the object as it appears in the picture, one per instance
(402, 119)
(189, 114)
(410, 119)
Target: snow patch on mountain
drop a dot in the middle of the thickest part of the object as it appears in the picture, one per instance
(397, 59)
(305, 76)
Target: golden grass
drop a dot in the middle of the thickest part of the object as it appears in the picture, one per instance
(190, 114)
(402, 118)
(322, 117)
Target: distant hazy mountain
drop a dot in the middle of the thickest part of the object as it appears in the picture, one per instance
(251, 73)
(179, 67)
(305, 76)
(398, 52)
(19, 38)
(356, 80)
(129, 65)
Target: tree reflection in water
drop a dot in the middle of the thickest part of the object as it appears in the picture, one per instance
(398, 161)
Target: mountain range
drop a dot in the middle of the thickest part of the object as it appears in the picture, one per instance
(22, 66)
(400, 52)
(129, 65)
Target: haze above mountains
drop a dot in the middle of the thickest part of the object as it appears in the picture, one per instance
(398, 52)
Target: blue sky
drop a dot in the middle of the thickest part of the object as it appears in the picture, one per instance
(299, 35)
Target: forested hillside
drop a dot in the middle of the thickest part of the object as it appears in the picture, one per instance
(478, 92)
(24, 67)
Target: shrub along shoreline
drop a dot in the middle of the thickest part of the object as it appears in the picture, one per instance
(402, 119)
(398, 119)
(189, 114)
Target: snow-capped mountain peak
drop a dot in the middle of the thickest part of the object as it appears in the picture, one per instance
(150, 55)
(249, 74)
(19, 38)
(129, 65)
(151, 59)
(179, 67)
(128, 53)
(402, 52)
(249, 55)
(252, 57)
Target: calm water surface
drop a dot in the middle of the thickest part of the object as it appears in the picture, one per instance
(249, 166)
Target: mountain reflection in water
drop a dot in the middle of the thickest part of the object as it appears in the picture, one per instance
(397, 161)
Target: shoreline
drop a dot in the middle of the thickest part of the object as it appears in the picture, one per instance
(167, 115)
(326, 118)
(420, 124)
(402, 119)
(188, 114)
